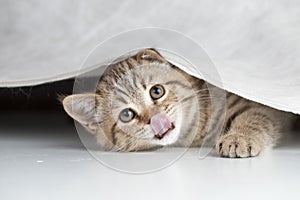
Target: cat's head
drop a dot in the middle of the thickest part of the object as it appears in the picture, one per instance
(141, 102)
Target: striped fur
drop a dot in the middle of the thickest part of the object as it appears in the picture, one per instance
(249, 127)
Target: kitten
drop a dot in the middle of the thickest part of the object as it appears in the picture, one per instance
(145, 102)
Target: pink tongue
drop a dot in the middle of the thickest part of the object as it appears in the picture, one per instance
(160, 123)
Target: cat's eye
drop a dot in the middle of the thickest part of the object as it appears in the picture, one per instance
(127, 115)
(157, 91)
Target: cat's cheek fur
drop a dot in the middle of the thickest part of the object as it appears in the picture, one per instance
(104, 142)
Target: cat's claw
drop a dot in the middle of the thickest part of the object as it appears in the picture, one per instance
(238, 146)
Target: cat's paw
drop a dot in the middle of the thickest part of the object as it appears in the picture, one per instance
(238, 146)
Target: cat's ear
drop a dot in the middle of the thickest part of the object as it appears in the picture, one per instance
(149, 55)
(82, 108)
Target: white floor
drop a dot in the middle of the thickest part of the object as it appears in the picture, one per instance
(42, 158)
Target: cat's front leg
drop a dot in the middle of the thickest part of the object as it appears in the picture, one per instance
(249, 133)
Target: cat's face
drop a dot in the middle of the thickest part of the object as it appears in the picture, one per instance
(141, 103)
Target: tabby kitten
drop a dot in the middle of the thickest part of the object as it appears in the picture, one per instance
(145, 102)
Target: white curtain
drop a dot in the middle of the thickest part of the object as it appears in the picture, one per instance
(255, 45)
